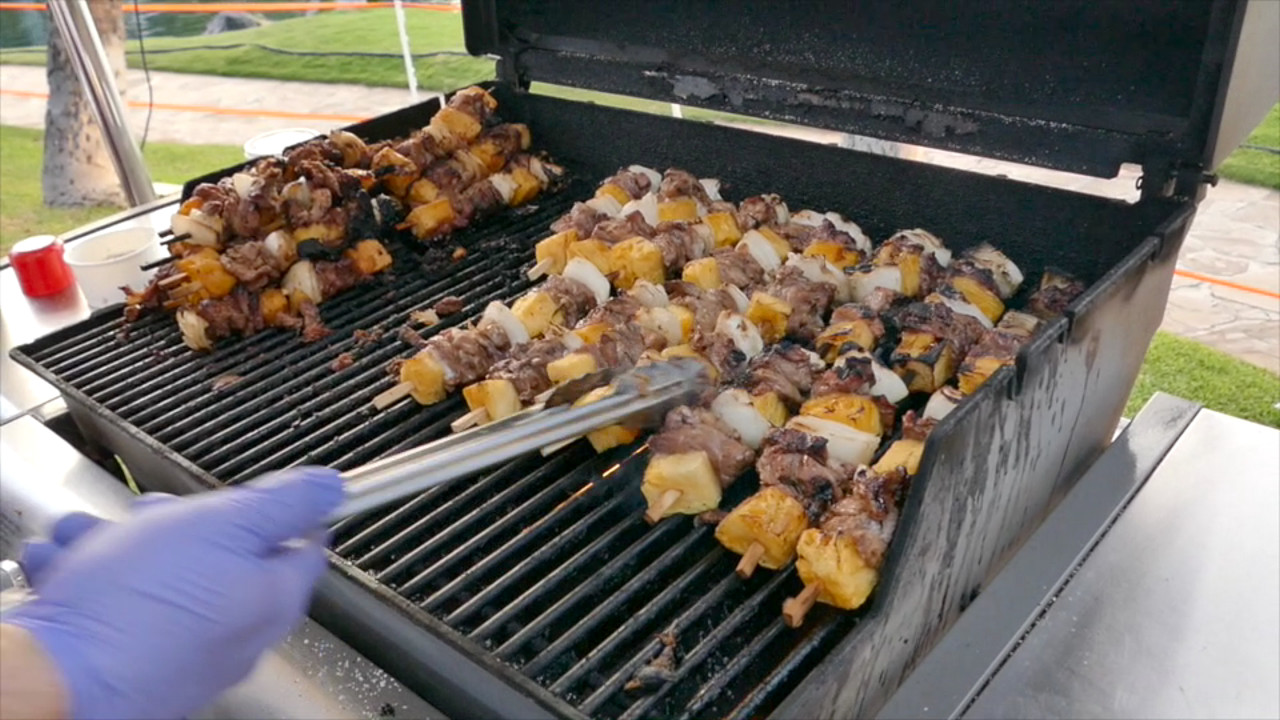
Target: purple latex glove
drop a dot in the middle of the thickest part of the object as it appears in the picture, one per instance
(37, 555)
(157, 615)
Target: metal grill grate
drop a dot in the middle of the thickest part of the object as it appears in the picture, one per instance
(545, 563)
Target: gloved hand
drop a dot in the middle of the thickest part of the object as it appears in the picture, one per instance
(156, 616)
(37, 555)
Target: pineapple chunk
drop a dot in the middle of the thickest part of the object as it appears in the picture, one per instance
(591, 334)
(527, 187)
(636, 259)
(401, 177)
(205, 268)
(776, 241)
(498, 398)
(426, 375)
(771, 517)
(615, 192)
(490, 155)
(687, 318)
(456, 123)
(571, 367)
(975, 371)
(857, 411)
(370, 257)
(835, 253)
(909, 265)
(704, 273)
(840, 338)
(902, 453)
(421, 192)
(272, 303)
(677, 351)
(596, 252)
(724, 226)
(769, 314)
(428, 220)
(925, 362)
(834, 562)
(689, 473)
(536, 311)
(556, 249)
(770, 406)
(678, 210)
(979, 296)
(607, 438)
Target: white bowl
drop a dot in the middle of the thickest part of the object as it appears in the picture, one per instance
(105, 263)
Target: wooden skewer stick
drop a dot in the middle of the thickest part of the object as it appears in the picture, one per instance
(470, 420)
(794, 609)
(391, 396)
(750, 559)
(542, 268)
(659, 510)
(174, 279)
(183, 291)
(542, 397)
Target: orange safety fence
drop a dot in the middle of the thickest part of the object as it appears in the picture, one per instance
(262, 6)
(239, 112)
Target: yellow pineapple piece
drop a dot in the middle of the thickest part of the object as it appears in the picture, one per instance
(690, 474)
(370, 257)
(678, 210)
(571, 367)
(725, 228)
(527, 187)
(596, 252)
(771, 407)
(204, 268)
(857, 411)
(555, 249)
(771, 517)
(636, 259)
(687, 351)
(769, 314)
(428, 220)
(835, 253)
(835, 564)
(975, 371)
(272, 303)
(498, 398)
(609, 437)
(779, 243)
(591, 334)
(704, 273)
(979, 296)
(402, 175)
(426, 375)
(903, 453)
(840, 338)
(326, 233)
(923, 361)
(422, 191)
(536, 311)
(615, 192)
(687, 319)
(456, 123)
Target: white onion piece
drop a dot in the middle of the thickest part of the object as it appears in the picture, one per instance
(193, 330)
(740, 298)
(1008, 276)
(201, 229)
(298, 191)
(780, 209)
(964, 307)
(244, 184)
(742, 332)
(864, 282)
(707, 236)
(940, 404)
(590, 276)
(820, 270)
(759, 248)
(809, 218)
(505, 186)
(712, 186)
(281, 245)
(649, 295)
(605, 205)
(450, 374)
(850, 227)
(846, 446)
(495, 313)
(572, 342)
(647, 206)
(931, 244)
(655, 177)
(735, 409)
(539, 171)
(662, 321)
(1019, 321)
(301, 278)
(887, 383)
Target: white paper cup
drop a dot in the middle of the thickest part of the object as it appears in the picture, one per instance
(107, 262)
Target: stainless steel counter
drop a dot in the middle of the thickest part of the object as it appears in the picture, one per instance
(1152, 591)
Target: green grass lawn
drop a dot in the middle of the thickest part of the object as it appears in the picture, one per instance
(22, 211)
(1216, 380)
(1257, 167)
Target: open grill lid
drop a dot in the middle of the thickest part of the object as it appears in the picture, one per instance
(1075, 85)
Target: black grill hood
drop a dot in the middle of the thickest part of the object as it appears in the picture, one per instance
(1075, 85)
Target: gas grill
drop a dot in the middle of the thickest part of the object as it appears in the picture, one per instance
(536, 590)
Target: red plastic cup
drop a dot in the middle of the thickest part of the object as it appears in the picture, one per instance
(40, 267)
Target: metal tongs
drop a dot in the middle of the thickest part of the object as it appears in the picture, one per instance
(640, 398)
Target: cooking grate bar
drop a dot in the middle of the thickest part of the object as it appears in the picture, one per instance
(708, 693)
(536, 563)
(621, 566)
(707, 644)
(824, 627)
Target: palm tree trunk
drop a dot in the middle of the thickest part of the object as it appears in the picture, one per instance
(77, 166)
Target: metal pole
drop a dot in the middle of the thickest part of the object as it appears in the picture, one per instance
(410, 71)
(84, 47)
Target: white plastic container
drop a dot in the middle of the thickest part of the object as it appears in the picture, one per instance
(105, 263)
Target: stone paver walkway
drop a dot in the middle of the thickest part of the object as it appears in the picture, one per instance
(1235, 237)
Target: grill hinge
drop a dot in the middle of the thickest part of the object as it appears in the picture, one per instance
(1175, 180)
